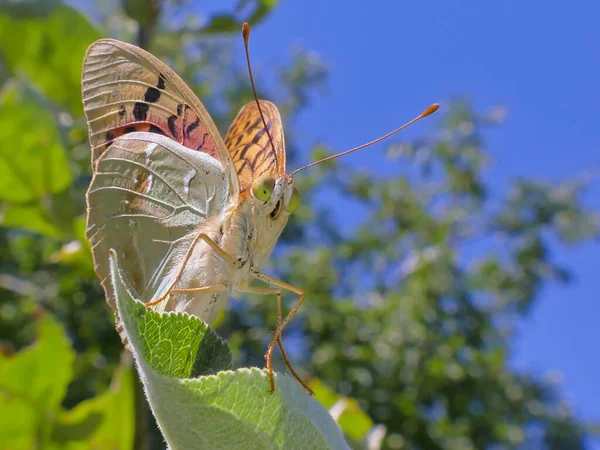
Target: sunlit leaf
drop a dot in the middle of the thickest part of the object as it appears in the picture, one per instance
(33, 161)
(352, 420)
(33, 382)
(49, 52)
(40, 374)
(105, 421)
(29, 217)
(18, 422)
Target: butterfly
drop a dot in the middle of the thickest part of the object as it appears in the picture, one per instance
(192, 216)
(187, 212)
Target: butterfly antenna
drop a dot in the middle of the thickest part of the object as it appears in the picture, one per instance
(430, 110)
(246, 34)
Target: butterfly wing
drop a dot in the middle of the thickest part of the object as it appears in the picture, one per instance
(161, 169)
(126, 89)
(146, 200)
(249, 146)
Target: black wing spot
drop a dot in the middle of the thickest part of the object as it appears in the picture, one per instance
(179, 109)
(239, 139)
(172, 126)
(257, 122)
(109, 138)
(257, 137)
(140, 111)
(152, 95)
(122, 111)
(240, 169)
(191, 127)
(266, 169)
(161, 81)
(254, 141)
(204, 136)
(157, 130)
(129, 130)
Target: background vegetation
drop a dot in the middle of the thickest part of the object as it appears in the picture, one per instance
(400, 316)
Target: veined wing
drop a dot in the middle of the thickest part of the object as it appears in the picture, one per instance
(147, 200)
(126, 89)
(249, 146)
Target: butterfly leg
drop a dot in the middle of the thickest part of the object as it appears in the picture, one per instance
(277, 291)
(204, 237)
(281, 325)
(200, 290)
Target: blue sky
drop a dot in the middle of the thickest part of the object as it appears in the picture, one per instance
(540, 60)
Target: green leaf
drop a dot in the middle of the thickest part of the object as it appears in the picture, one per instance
(231, 409)
(28, 8)
(76, 252)
(33, 161)
(50, 52)
(18, 423)
(106, 421)
(144, 12)
(32, 385)
(353, 421)
(199, 349)
(40, 374)
(30, 217)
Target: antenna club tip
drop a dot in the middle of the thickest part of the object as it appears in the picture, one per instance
(246, 30)
(430, 110)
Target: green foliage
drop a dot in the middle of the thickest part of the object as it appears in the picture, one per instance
(355, 423)
(49, 52)
(175, 355)
(231, 23)
(410, 314)
(28, 8)
(33, 384)
(39, 169)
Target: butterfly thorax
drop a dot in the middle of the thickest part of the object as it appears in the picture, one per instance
(247, 232)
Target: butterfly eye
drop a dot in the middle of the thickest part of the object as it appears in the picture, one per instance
(262, 187)
(294, 201)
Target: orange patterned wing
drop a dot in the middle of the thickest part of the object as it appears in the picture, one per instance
(126, 89)
(249, 146)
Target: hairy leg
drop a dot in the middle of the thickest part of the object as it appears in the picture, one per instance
(277, 291)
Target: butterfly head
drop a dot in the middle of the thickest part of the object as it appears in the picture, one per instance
(275, 197)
